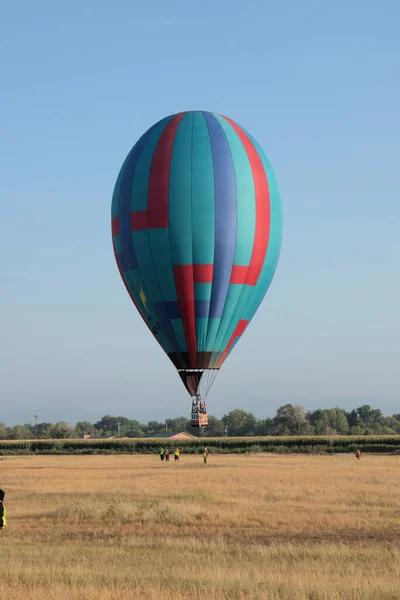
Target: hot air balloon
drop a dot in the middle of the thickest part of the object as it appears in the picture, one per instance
(196, 229)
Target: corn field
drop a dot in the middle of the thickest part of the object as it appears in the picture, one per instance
(237, 445)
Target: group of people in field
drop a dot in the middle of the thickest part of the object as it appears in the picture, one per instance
(164, 454)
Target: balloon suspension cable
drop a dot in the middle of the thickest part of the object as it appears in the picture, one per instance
(207, 378)
(207, 381)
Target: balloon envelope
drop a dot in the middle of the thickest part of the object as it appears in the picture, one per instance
(197, 229)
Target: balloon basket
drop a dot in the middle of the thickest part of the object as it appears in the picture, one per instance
(199, 420)
(199, 412)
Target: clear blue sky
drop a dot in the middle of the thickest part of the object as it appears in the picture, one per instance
(318, 85)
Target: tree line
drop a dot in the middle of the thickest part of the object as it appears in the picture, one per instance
(290, 419)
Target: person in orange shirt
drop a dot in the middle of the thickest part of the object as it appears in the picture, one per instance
(2, 510)
(358, 455)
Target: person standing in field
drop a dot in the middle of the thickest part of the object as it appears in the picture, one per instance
(176, 454)
(162, 454)
(358, 454)
(205, 455)
(167, 455)
(2, 510)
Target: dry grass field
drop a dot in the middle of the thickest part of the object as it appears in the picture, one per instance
(241, 527)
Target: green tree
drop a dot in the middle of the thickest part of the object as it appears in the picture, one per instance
(61, 430)
(240, 422)
(370, 420)
(84, 427)
(290, 419)
(319, 421)
(153, 427)
(132, 429)
(19, 432)
(3, 431)
(342, 425)
(357, 430)
(216, 427)
(45, 430)
(265, 427)
(109, 425)
(393, 424)
(329, 421)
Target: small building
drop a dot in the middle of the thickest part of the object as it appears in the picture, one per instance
(87, 436)
(173, 436)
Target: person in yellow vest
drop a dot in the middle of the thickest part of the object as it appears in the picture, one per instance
(205, 454)
(162, 454)
(2, 510)
(176, 455)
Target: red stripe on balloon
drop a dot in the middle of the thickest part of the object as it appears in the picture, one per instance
(240, 327)
(115, 226)
(139, 220)
(183, 275)
(203, 273)
(239, 274)
(158, 188)
(263, 209)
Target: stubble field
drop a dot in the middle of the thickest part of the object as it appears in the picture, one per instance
(262, 527)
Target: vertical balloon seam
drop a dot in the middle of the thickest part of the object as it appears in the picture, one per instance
(184, 362)
(195, 380)
(193, 333)
(165, 338)
(234, 237)
(215, 228)
(174, 123)
(203, 213)
(241, 262)
(115, 215)
(217, 351)
(215, 237)
(179, 359)
(242, 326)
(141, 282)
(125, 276)
(116, 200)
(159, 226)
(251, 308)
(191, 223)
(276, 222)
(125, 198)
(276, 215)
(236, 317)
(204, 381)
(180, 226)
(232, 313)
(250, 148)
(220, 283)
